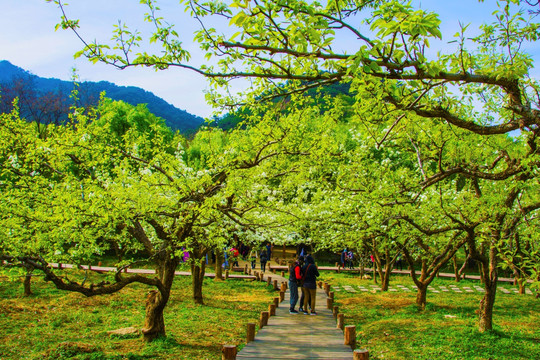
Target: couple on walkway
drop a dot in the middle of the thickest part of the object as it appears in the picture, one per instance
(303, 274)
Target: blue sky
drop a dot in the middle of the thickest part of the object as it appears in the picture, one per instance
(28, 40)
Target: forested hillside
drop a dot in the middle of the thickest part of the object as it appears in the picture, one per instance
(47, 100)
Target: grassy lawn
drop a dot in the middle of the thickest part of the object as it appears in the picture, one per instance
(54, 324)
(390, 326)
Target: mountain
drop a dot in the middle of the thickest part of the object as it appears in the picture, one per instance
(175, 118)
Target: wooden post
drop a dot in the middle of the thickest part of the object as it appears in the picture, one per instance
(275, 285)
(320, 284)
(331, 295)
(268, 280)
(283, 286)
(360, 354)
(246, 269)
(250, 332)
(276, 302)
(281, 296)
(335, 311)
(272, 309)
(350, 336)
(228, 352)
(340, 321)
(327, 289)
(249, 271)
(329, 303)
(283, 274)
(264, 319)
(226, 273)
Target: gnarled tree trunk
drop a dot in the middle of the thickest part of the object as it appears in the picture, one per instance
(198, 268)
(490, 277)
(27, 281)
(219, 265)
(154, 324)
(421, 295)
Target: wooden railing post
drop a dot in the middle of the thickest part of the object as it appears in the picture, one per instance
(276, 302)
(228, 352)
(264, 319)
(272, 309)
(268, 280)
(329, 303)
(275, 285)
(340, 321)
(350, 336)
(360, 354)
(250, 332)
(335, 312)
(281, 296)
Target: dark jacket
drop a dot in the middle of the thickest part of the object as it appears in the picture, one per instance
(310, 272)
(295, 272)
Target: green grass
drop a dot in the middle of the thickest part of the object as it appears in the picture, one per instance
(54, 324)
(390, 325)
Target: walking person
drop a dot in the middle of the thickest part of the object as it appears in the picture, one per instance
(264, 258)
(253, 257)
(269, 251)
(295, 281)
(309, 288)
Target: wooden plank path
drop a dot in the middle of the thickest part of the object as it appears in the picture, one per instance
(103, 269)
(299, 336)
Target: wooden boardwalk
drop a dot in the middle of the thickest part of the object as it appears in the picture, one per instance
(299, 336)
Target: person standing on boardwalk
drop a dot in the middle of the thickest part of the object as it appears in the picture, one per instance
(309, 288)
(269, 251)
(295, 281)
(253, 257)
(264, 258)
(343, 258)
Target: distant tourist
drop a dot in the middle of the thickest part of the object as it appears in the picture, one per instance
(269, 251)
(264, 258)
(253, 257)
(295, 281)
(309, 288)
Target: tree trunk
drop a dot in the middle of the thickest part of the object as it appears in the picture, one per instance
(218, 265)
(481, 272)
(26, 282)
(456, 270)
(154, 324)
(520, 282)
(490, 277)
(385, 279)
(421, 296)
(197, 277)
